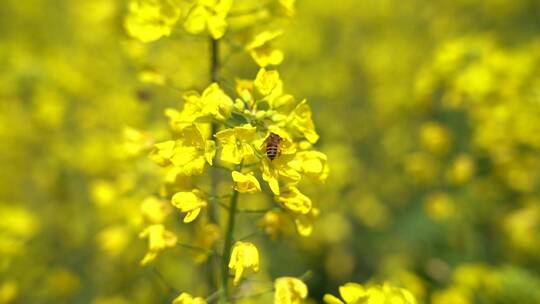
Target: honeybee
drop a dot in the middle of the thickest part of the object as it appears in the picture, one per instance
(272, 145)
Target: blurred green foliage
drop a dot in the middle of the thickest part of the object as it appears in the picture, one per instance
(429, 113)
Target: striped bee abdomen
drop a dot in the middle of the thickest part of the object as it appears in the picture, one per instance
(272, 146)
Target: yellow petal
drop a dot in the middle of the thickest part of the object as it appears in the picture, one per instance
(158, 240)
(301, 120)
(245, 183)
(195, 22)
(189, 202)
(192, 215)
(162, 152)
(210, 151)
(292, 199)
(263, 38)
(216, 26)
(330, 299)
(352, 292)
(244, 255)
(289, 290)
(267, 81)
(150, 20)
(185, 298)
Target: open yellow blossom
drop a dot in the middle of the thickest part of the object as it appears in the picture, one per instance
(300, 119)
(149, 20)
(189, 202)
(188, 154)
(113, 239)
(159, 239)
(268, 84)
(213, 103)
(304, 222)
(244, 256)
(162, 152)
(262, 50)
(186, 298)
(292, 199)
(244, 90)
(135, 142)
(353, 293)
(279, 169)
(289, 291)
(273, 223)
(313, 164)
(208, 15)
(155, 210)
(236, 143)
(245, 183)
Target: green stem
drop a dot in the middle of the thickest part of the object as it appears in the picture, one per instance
(188, 246)
(227, 248)
(213, 264)
(214, 60)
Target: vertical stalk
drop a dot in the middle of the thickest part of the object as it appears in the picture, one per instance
(214, 177)
(214, 76)
(214, 60)
(227, 248)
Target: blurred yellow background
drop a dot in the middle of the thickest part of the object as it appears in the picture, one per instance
(429, 112)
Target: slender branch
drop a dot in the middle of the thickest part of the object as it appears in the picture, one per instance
(163, 281)
(213, 264)
(214, 296)
(214, 60)
(195, 248)
(227, 247)
(256, 295)
(243, 210)
(249, 235)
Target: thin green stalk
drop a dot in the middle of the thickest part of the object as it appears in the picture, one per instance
(214, 60)
(227, 248)
(213, 264)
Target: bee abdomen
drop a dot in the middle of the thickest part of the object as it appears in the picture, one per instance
(271, 151)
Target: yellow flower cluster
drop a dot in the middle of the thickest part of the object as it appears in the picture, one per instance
(470, 282)
(353, 293)
(150, 20)
(261, 109)
(263, 136)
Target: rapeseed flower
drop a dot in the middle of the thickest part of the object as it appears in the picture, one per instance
(209, 15)
(245, 183)
(186, 298)
(353, 293)
(289, 291)
(149, 20)
(212, 104)
(188, 154)
(262, 50)
(236, 143)
(293, 200)
(159, 239)
(244, 256)
(190, 203)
